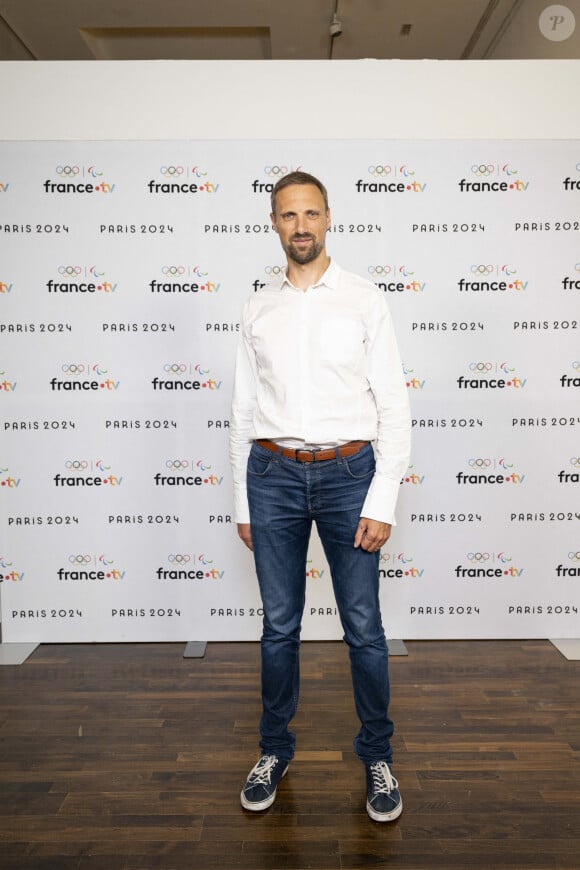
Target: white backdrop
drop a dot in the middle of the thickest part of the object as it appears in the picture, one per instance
(120, 299)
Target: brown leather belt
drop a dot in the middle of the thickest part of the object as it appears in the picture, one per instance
(348, 449)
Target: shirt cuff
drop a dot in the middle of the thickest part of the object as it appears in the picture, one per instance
(381, 500)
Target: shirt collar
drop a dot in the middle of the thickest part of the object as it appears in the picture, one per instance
(328, 279)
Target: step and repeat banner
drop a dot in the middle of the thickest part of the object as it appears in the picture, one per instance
(123, 269)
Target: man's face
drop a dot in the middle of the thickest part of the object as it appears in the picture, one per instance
(301, 221)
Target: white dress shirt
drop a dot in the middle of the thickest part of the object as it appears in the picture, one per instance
(321, 367)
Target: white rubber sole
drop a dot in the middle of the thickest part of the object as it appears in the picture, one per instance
(385, 817)
(258, 806)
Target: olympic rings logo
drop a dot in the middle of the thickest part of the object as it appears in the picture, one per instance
(483, 169)
(478, 557)
(379, 270)
(480, 366)
(482, 269)
(575, 557)
(76, 464)
(80, 559)
(173, 270)
(73, 368)
(275, 270)
(177, 463)
(275, 170)
(479, 463)
(179, 558)
(380, 170)
(174, 368)
(171, 170)
(68, 171)
(69, 270)
(575, 461)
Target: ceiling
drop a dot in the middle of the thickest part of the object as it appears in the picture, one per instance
(281, 29)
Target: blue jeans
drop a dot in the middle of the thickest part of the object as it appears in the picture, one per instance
(285, 496)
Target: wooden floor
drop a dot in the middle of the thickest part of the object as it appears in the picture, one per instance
(119, 757)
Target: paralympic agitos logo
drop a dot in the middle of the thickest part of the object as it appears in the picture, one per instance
(390, 178)
(493, 178)
(69, 175)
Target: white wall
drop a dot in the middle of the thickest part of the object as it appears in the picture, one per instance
(289, 99)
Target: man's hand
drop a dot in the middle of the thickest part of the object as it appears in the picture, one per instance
(371, 534)
(245, 533)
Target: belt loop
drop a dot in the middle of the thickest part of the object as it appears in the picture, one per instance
(337, 454)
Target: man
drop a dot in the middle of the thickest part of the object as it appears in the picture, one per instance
(318, 377)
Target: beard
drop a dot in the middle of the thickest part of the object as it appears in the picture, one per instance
(304, 255)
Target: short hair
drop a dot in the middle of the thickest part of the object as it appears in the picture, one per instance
(297, 178)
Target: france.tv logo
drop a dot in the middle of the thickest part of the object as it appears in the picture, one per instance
(6, 386)
(87, 472)
(488, 375)
(396, 566)
(177, 178)
(187, 376)
(188, 472)
(8, 574)
(70, 176)
(491, 277)
(178, 278)
(7, 480)
(73, 278)
(396, 279)
(486, 565)
(412, 477)
(390, 178)
(489, 470)
(493, 178)
(86, 566)
(189, 566)
(413, 381)
(85, 377)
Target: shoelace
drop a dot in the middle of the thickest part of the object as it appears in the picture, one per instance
(260, 774)
(383, 780)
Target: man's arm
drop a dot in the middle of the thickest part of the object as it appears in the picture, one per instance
(241, 428)
(393, 441)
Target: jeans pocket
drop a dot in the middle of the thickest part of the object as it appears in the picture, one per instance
(361, 465)
(258, 464)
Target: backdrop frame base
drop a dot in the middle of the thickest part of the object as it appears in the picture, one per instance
(569, 647)
(16, 653)
(195, 649)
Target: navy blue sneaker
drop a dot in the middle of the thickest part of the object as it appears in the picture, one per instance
(384, 802)
(259, 792)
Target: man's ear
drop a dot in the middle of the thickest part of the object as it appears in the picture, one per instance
(273, 219)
